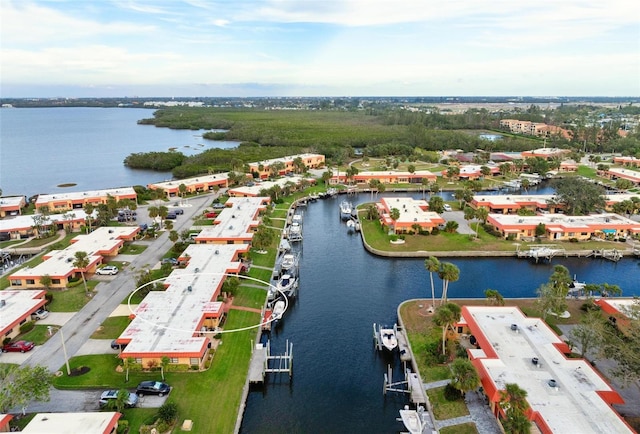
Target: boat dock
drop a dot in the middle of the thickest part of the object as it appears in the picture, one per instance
(262, 362)
(403, 345)
(411, 385)
(611, 254)
(545, 252)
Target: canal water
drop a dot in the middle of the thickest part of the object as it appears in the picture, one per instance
(338, 376)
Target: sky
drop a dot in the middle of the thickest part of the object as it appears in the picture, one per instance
(251, 48)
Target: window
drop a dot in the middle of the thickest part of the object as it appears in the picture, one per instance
(23, 321)
(139, 360)
(173, 360)
(16, 282)
(55, 281)
(31, 282)
(194, 361)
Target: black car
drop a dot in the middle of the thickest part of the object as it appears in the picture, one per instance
(152, 388)
(116, 346)
(178, 211)
(171, 216)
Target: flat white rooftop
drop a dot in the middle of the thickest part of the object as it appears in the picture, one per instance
(72, 423)
(11, 201)
(168, 321)
(575, 223)
(82, 195)
(412, 210)
(60, 262)
(539, 199)
(288, 158)
(574, 406)
(14, 304)
(633, 175)
(22, 222)
(204, 179)
(255, 189)
(234, 221)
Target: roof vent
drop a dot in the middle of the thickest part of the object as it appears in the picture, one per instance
(189, 288)
(552, 383)
(514, 327)
(534, 360)
(2, 303)
(217, 252)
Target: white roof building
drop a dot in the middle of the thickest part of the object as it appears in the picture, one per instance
(170, 322)
(565, 395)
(16, 307)
(235, 222)
(103, 422)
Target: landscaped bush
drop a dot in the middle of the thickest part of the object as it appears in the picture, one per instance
(27, 327)
(451, 393)
(49, 297)
(168, 412)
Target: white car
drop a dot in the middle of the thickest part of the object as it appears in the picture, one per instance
(40, 314)
(447, 207)
(108, 270)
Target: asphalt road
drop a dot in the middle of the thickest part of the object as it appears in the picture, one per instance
(108, 295)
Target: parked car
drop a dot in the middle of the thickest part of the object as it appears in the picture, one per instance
(218, 205)
(18, 347)
(447, 207)
(171, 216)
(178, 211)
(112, 395)
(116, 346)
(172, 261)
(41, 313)
(109, 270)
(152, 388)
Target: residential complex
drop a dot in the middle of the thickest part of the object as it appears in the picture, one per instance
(71, 201)
(560, 227)
(71, 423)
(614, 173)
(565, 395)
(199, 184)
(263, 168)
(538, 203)
(24, 226)
(12, 205)
(180, 322)
(254, 189)
(538, 129)
(59, 264)
(412, 214)
(384, 177)
(16, 308)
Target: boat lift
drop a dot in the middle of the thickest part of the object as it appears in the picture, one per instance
(262, 362)
(411, 385)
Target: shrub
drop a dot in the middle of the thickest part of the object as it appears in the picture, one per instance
(589, 305)
(49, 297)
(573, 240)
(123, 426)
(27, 327)
(393, 237)
(451, 393)
(168, 412)
(435, 231)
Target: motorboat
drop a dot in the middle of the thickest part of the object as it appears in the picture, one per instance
(345, 210)
(287, 285)
(351, 226)
(288, 262)
(388, 338)
(413, 420)
(295, 232)
(278, 311)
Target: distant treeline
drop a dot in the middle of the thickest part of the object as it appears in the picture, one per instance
(266, 134)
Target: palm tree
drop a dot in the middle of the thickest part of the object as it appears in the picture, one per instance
(448, 273)
(395, 215)
(432, 264)
(464, 376)
(88, 210)
(162, 213)
(514, 403)
(444, 316)
(153, 212)
(81, 262)
(481, 214)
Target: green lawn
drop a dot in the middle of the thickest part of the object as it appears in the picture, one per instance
(250, 297)
(465, 428)
(133, 249)
(443, 409)
(38, 335)
(111, 328)
(72, 299)
(219, 389)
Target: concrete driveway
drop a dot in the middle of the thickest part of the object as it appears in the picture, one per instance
(458, 217)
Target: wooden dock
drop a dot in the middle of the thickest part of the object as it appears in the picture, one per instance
(416, 390)
(258, 362)
(403, 346)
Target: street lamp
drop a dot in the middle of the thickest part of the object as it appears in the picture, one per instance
(64, 350)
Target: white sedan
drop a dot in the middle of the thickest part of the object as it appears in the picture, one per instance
(108, 270)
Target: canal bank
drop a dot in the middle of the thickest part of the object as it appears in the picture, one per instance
(338, 375)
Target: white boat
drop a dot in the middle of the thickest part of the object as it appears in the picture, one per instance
(287, 285)
(295, 232)
(278, 311)
(345, 210)
(388, 338)
(413, 420)
(288, 262)
(351, 226)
